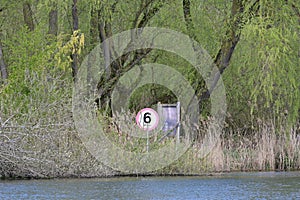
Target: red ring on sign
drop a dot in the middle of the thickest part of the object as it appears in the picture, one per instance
(139, 116)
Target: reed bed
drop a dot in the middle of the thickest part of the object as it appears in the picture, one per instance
(52, 148)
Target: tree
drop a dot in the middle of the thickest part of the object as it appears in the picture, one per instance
(53, 19)
(115, 69)
(28, 15)
(229, 40)
(274, 25)
(74, 55)
(3, 67)
(253, 43)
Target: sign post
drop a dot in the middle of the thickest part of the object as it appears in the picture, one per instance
(147, 119)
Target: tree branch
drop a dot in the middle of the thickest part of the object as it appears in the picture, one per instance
(28, 15)
(232, 36)
(148, 14)
(140, 12)
(3, 67)
(228, 45)
(53, 20)
(188, 18)
(122, 64)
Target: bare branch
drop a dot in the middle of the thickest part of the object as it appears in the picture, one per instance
(143, 7)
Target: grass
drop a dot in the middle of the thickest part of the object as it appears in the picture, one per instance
(38, 139)
(45, 151)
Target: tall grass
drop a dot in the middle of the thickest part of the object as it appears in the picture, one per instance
(54, 150)
(38, 139)
(264, 149)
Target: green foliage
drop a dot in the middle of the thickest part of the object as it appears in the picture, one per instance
(35, 78)
(67, 45)
(262, 81)
(28, 53)
(265, 68)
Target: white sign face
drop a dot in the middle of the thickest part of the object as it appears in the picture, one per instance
(147, 119)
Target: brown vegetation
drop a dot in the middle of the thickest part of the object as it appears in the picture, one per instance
(55, 150)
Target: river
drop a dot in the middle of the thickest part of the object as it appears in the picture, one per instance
(256, 185)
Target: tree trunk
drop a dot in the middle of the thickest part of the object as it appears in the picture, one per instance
(188, 18)
(94, 34)
(75, 15)
(53, 20)
(93, 38)
(116, 67)
(106, 48)
(228, 45)
(74, 56)
(28, 16)
(3, 68)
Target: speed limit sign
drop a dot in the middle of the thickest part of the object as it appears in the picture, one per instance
(147, 119)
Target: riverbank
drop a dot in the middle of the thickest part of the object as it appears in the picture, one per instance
(56, 151)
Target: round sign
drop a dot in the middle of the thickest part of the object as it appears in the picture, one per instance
(147, 119)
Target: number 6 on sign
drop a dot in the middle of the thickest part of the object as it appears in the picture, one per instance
(147, 119)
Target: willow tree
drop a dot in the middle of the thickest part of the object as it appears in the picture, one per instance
(108, 14)
(266, 67)
(258, 56)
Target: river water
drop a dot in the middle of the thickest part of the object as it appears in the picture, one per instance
(259, 185)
